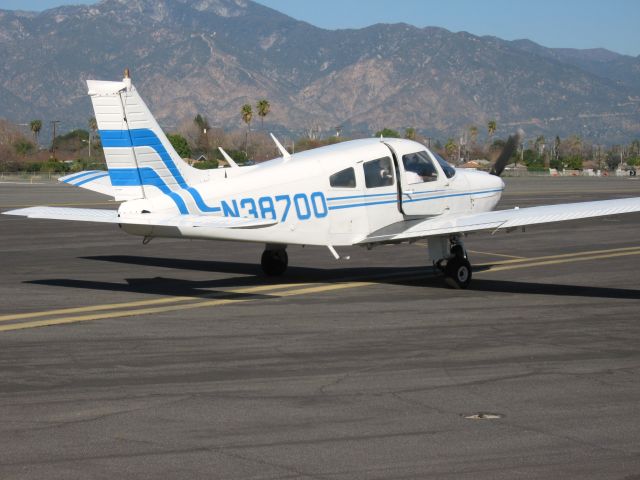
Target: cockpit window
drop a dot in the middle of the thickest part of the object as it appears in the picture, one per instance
(378, 173)
(343, 179)
(419, 168)
(449, 171)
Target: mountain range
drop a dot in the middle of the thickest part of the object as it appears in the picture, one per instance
(212, 56)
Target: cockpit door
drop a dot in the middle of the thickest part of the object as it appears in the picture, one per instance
(424, 186)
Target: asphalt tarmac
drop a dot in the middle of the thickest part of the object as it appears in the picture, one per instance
(179, 360)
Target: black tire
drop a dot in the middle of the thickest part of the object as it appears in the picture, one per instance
(274, 262)
(457, 273)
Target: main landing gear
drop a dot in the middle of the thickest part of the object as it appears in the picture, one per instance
(450, 257)
(274, 260)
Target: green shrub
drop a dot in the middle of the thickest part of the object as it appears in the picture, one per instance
(206, 165)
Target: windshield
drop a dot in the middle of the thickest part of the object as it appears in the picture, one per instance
(449, 171)
(419, 168)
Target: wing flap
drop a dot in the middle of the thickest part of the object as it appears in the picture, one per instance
(201, 221)
(504, 219)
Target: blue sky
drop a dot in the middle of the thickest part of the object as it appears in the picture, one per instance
(613, 24)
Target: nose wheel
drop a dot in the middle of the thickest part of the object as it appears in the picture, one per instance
(457, 273)
(453, 262)
(274, 262)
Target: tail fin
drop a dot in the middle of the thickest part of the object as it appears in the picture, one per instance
(142, 162)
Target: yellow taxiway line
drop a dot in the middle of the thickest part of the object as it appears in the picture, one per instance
(226, 297)
(589, 254)
(273, 290)
(570, 258)
(141, 303)
(496, 254)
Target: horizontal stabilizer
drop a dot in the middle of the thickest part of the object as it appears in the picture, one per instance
(64, 213)
(94, 180)
(111, 216)
(503, 219)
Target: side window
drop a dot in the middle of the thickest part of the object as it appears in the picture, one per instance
(343, 179)
(378, 173)
(419, 168)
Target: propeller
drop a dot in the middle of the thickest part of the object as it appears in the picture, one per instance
(508, 150)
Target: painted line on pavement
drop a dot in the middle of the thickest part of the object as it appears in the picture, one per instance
(558, 261)
(497, 254)
(200, 304)
(141, 303)
(562, 255)
(159, 305)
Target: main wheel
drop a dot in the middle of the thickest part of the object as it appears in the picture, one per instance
(457, 273)
(274, 262)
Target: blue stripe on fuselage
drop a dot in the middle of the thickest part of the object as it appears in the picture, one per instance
(386, 202)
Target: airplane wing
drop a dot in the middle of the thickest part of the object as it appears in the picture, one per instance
(94, 180)
(111, 216)
(501, 219)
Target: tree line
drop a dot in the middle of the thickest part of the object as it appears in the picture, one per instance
(196, 139)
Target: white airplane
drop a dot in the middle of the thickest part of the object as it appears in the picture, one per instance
(361, 192)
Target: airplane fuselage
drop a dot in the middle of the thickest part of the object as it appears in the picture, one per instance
(335, 195)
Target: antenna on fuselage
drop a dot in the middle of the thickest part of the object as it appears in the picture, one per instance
(286, 155)
(232, 163)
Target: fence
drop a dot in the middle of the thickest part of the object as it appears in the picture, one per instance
(30, 177)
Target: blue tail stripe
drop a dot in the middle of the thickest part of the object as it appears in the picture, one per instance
(129, 177)
(80, 175)
(144, 137)
(91, 179)
(115, 138)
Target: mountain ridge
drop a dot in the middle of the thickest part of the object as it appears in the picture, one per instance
(212, 56)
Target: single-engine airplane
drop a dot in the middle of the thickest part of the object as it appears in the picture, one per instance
(361, 192)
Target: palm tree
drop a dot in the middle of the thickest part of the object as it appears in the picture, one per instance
(247, 116)
(450, 147)
(36, 126)
(264, 107)
(202, 123)
(492, 126)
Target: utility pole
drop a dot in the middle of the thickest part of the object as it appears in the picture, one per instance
(54, 124)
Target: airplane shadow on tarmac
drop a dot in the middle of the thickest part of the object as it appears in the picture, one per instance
(252, 276)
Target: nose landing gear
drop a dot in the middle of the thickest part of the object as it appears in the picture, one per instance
(452, 261)
(457, 273)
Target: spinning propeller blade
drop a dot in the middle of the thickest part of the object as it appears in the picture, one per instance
(510, 147)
